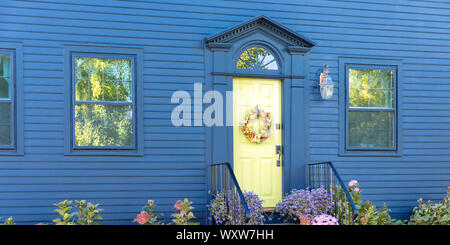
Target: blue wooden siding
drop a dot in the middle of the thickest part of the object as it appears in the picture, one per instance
(171, 34)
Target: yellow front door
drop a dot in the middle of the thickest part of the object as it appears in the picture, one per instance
(257, 166)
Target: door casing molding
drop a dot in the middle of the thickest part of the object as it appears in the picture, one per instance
(221, 54)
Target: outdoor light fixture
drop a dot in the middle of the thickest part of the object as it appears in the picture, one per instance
(326, 84)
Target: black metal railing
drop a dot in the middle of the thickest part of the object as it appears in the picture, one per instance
(224, 185)
(324, 175)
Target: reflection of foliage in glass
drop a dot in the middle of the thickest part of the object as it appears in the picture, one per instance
(103, 125)
(5, 124)
(6, 101)
(257, 58)
(102, 79)
(372, 89)
(105, 88)
(371, 128)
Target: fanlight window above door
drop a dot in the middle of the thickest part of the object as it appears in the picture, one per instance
(257, 58)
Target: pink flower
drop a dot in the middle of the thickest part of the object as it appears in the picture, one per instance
(352, 183)
(142, 218)
(178, 205)
(324, 219)
(40, 224)
(356, 189)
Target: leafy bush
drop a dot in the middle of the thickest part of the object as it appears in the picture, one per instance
(148, 216)
(432, 213)
(8, 221)
(184, 213)
(305, 204)
(87, 213)
(226, 209)
(369, 215)
(367, 212)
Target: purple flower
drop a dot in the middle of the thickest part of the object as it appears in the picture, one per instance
(226, 209)
(304, 204)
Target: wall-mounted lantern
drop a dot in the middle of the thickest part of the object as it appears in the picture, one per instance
(326, 84)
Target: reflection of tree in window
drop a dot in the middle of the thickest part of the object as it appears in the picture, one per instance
(6, 102)
(103, 102)
(371, 108)
(4, 88)
(257, 58)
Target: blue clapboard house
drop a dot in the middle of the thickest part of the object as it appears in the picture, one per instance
(87, 101)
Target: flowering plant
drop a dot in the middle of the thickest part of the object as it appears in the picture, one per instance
(304, 204)
(324, 219)
(355, 192)
(428, 213)
(184, 213)
(367, 211)
(254, 204)
(148, 216)
(226, 209)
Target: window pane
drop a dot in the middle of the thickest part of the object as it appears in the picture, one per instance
(5, 124)
(371, 88)
(5, 65)
(97, 79)
(103, 125)
(5, 92)
(82, 90)
(257, 58)
(371, 129)
(124, 91)
(110, 90)
(5, 81)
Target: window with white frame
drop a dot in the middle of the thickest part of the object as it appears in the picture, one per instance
(103, 101)
(371, 115)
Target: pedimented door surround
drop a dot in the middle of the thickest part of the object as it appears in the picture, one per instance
(291, 50)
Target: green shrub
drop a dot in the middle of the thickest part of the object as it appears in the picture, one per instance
(369, 215)
(367, 212)
(432, 213)
(8, 221)
(87, 213)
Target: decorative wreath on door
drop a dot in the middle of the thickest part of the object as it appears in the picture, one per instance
(247, 127)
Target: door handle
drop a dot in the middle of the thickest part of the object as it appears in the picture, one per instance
(279, 151)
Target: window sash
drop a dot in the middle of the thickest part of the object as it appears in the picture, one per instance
(117, 103)
(11, 100)
(371, 109)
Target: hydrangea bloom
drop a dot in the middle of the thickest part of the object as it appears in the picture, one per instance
(142, 218)
(352, 183)
(178, 205)
(324, 219)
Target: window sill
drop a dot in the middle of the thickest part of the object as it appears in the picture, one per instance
(370, 153)
(11, 153)
(104, 153)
